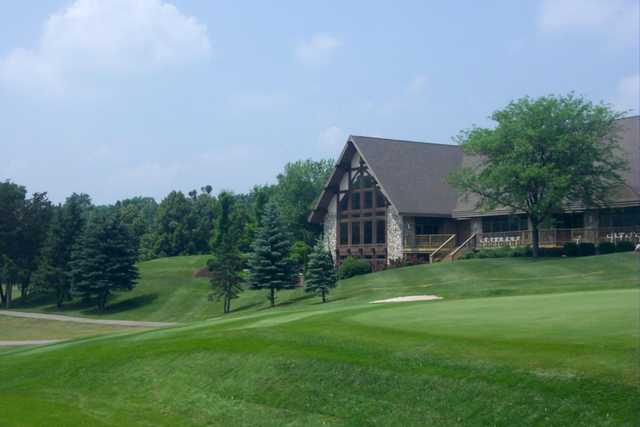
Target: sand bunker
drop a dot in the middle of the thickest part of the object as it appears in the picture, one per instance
(408, 299)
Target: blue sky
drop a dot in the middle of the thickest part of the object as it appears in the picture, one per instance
(118, 98)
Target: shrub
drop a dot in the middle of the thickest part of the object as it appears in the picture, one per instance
(586, 249)
(606, 247)
(521, 251)
(551, 252)
(570, 249)
(353, 267)
(624, 246)
(469, 255)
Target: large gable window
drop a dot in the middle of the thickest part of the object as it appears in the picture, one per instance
(362, 215)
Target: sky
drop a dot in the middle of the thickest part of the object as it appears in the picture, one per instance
(123, 98)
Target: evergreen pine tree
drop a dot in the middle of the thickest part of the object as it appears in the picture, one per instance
(226, 264)
(320, 275)
(103, 260)
(268, 263)
(53, 271)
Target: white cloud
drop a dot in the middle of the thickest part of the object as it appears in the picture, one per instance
(332, 139)
(104, 36)
(628, 94)
(616, 20)
(317, 50)
(417, 84)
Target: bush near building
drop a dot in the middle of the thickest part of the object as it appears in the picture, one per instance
(353, 267)
(625, 246)
(606, 248)
(586, 249)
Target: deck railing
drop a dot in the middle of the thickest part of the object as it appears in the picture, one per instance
(424, 242)
(559, 236)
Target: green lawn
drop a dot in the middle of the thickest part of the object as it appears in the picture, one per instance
(168, 291)
(514, 342)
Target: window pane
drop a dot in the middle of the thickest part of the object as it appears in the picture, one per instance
(379, 200)
(355, 233)
(344, 233)
(427, 225)
(499, 224)
(380, 231)
(368, 232)
(344, 203)
(368, 200)
(355, 201)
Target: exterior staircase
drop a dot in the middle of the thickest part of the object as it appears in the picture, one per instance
(442, 251)
(468, 245)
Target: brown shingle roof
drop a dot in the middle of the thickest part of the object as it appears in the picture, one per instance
(413, 174)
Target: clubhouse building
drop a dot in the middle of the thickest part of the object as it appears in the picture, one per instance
(389, 200)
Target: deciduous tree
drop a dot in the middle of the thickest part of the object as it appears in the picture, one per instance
(543, 154)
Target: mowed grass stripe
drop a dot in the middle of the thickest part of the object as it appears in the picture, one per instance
(556, 352)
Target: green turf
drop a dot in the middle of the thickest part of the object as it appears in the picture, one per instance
(514, 342)
(168, 291)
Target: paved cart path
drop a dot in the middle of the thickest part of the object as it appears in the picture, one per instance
(26, 342)
(59, 317)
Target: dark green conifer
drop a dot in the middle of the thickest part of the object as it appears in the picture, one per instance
(103, 261)
(320, 275)
(269, 265)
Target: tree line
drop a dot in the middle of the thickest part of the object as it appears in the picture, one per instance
(79, 250)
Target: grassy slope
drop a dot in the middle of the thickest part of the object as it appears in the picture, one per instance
(551, 353)
(168, 292)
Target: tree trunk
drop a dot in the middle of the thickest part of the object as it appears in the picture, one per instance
(272, 296)
(535, 239)
(3, 296)
(7, 295)
(324, 296)
(102, 301)
(59, 297)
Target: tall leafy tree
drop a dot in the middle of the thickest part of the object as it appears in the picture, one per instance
(138, 213)
(103, 260)
(298, 187)
(268, 263)
(226, 264)
(23, 227)
(543, 154)
(203, 213)
(320, 276)
(172, 230)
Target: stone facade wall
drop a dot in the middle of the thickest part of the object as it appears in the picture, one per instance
(395, 226)
(331, 228)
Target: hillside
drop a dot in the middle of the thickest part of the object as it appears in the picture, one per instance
(513, 342)
(167, 290)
